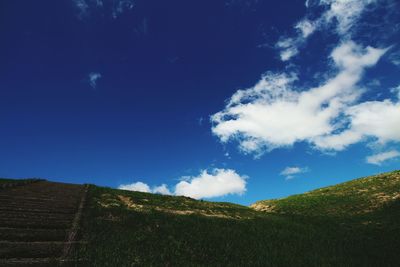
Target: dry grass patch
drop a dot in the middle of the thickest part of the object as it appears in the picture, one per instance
(185, 207)
(127, 201)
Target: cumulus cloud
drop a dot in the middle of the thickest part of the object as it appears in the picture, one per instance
(379, 158)
(138, 186)
(342, 14)
(143, 187)
(162, 189)
(218, 182)
(275, 113)
(93, 77)
(290, 172)
(279, 111)
(208, 184)
(377, 119)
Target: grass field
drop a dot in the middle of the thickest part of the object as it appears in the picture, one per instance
(351, 224)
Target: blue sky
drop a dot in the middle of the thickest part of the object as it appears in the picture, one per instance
(235, 100)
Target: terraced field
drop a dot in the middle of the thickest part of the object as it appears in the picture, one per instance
(39, 224)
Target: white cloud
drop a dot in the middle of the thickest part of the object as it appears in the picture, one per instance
(306, 27)
(162, 189)
(343, 14)
(274, 113)
(143, 187)
(290, 172)
(138, 186)
(379, 158)
(288, 48)
(279, 112)
(93, 77)
(218, 182)
(288, 53)
(377, 119)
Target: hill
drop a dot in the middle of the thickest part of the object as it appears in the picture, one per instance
(351, 224)
(358, 198)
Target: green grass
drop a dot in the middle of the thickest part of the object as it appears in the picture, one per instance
(354, 199)
(321, 228)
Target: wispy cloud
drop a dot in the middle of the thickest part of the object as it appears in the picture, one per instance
(342, 14)
(396, 91)
(93, 77)
(82, 7)
(306, 27)
(380, 158)
(113, 8)
(290, 172)
(208, 184)
(289, 47)
(395, 58)
(121, 6)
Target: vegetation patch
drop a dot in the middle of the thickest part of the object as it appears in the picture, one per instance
(321, 228)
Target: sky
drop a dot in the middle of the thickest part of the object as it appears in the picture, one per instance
(223, 100)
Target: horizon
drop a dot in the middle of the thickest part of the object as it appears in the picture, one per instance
(206, 199)
(234, 101)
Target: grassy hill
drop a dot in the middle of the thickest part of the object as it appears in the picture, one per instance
(357, 199)
(352, 224)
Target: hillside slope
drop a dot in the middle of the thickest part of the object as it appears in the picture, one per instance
(351, 224)
(358, 198)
